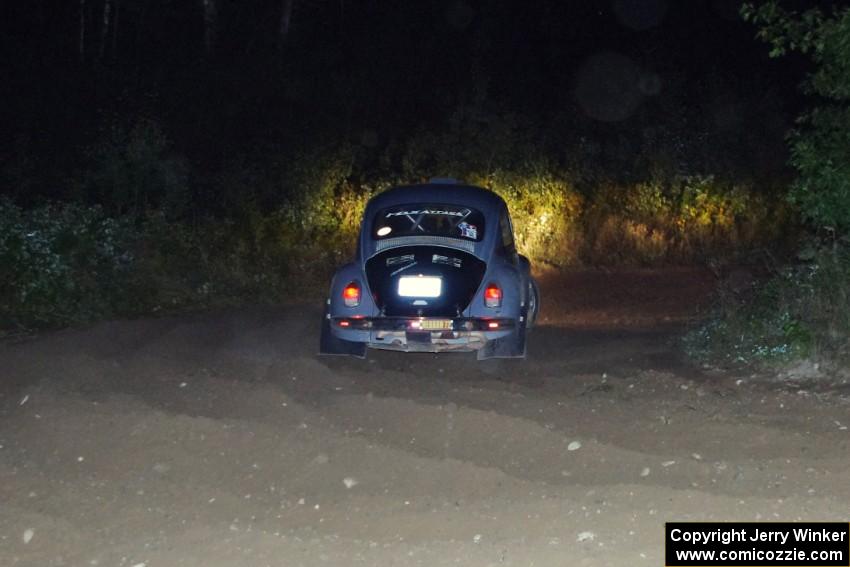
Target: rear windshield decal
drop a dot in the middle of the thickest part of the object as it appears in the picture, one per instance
(427, 212)
(446, 260)
(429, 219)
(468, 230)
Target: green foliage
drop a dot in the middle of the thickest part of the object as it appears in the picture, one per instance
(678, 221)
(801, 311)
(546, 212)
(820, 145)
(495, 151)
(820, 151)
(66, 263)
(320, 202)
(134, 171)
(668, 218)
(475, 144)
(319, 219)
(279, 225)
(61, 263)
(213, 262)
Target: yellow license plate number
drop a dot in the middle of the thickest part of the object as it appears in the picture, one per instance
(436, 325)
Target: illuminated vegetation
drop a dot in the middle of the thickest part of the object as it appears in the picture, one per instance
(230, 157)
(140, 252)
(804, 309)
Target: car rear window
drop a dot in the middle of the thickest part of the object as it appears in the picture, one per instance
(429, 220)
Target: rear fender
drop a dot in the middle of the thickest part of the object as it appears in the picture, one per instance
(509, 279)
(330, 344)
(524, 266)
(335, 306)
(346, 274)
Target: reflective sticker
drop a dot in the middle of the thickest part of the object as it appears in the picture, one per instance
(425, 212)
(403, 268)
(406, 259)
(468, 230)
(439, 259)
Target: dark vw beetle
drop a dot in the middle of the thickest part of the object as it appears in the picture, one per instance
(436, 269)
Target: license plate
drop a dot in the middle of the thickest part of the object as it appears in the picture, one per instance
(435, 325)
(420, 286)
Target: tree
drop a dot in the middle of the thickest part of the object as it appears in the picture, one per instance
(104, 30)
(82, 30)
(820, 144)
(210, 13)
(285, 20)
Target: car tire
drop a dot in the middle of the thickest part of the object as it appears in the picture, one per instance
(533, 309)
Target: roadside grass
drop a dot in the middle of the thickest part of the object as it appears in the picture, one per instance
(68, 263)
(801, 311)
(142, 232)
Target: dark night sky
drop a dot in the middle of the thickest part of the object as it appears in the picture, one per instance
(421, 52)
(386, 67)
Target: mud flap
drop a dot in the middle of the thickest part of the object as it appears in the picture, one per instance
(330, 345)
(512, 346)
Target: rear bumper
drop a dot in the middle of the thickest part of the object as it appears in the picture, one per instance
(418, 324)
(418, 334)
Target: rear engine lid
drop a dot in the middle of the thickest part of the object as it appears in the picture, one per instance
(424, 281)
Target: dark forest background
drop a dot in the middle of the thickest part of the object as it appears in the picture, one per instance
(618, 87)
(171, 154)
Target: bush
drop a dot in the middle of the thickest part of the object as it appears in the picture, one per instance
(213, 262)
(271, 224)
(819, 152)
(545, 211)
(685, 220)
(666, 219)
(66, 263)
(62, 263)
(134, 171)
(802, 311)
(821, 143)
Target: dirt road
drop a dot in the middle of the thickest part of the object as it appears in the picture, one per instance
(221, 440)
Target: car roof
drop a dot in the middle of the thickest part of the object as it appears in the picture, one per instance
(440, 192)
(485, 201)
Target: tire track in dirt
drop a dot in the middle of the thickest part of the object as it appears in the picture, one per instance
(218, 439)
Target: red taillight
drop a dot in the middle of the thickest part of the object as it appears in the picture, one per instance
(351, 294)
(493, 325)
(344, 323)
(493, 296)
